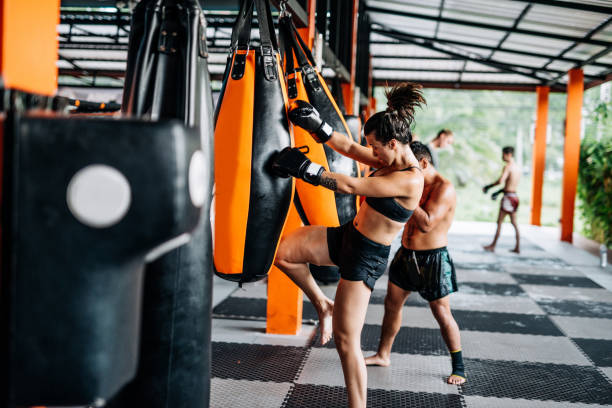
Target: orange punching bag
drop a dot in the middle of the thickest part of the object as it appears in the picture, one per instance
(317, 206)
(251, 204)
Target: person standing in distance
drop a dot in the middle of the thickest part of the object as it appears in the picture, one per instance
(444, 139)
(511, 174)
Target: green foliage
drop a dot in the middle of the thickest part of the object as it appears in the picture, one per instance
(595, 175)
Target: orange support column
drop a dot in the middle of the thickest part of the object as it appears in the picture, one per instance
(308, 33)
(348, 89)
(284, 314)
(29, 45)
(539, 154)
(573, 116)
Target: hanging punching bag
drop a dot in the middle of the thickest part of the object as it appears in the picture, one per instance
(167, 77)
(84, 203)
(251, 204)
(317, 206)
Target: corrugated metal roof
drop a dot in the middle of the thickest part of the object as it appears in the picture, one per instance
(518, 41)
(439, 42)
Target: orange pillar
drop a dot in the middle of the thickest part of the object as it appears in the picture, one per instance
(308, 33)
(348, 89)
(573, 115)
(539, 154)
(284, 313)
(29, 45)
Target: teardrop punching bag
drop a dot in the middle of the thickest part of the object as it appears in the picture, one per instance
(251, 204)
(317, 206)
(167, 77)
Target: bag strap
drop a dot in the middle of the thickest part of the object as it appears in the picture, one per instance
(302, 51)
(241, 32)
(266, 24)
(286, 46)
(269, 44)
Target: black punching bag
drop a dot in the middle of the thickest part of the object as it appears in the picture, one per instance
(167, 77)
(84, 203)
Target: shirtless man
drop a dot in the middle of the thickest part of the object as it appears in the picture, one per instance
(423, 264)
(510, 177)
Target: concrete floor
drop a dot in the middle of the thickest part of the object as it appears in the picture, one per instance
(536, 332)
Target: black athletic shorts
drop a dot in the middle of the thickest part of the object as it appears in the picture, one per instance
(359, 258)
(432, 275)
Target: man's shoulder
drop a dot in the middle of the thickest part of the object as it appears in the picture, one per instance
(444, 186)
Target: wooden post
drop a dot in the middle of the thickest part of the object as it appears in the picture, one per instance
(539, 154)
(573, 116)
(348, 89)
(29, 45)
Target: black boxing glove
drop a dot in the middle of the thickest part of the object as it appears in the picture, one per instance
(487, 187)
(304, 115)
(495, 194)
(292, 162)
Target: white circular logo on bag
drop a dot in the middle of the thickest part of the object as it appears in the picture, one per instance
(197, 191)
(98, 196)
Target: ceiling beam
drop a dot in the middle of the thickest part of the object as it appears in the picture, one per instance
(589, 35)
(514, 25)
(586, 62)
(431, 45)
(476, 86)
(571, 5)
(484, 47)
(486, 26)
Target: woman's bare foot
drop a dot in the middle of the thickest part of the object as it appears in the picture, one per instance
(455, 379)
(516, 250)
(325, 313)
(377, 360)
(489, 248)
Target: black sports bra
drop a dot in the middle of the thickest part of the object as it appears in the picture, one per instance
(388, 207)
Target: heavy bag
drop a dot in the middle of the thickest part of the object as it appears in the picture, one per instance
(251, 204)
(167, 77)
(317, 206)
(84, 203)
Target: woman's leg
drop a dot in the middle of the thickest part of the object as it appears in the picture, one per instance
(308, 245)
(350, 307)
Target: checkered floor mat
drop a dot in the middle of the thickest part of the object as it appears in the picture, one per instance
(535, 332)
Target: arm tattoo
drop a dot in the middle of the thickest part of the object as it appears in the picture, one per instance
(329, 182)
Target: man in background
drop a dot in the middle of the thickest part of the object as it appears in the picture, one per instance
(510, 177)
(444, 139)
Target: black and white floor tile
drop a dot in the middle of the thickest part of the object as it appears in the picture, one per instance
(536, 333)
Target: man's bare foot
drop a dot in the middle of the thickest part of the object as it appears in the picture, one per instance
(455, 379)
(489, 248)
(325, 321)
(516, 250)
(377, 360)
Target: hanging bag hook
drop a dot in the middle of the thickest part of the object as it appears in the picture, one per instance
(283, 9)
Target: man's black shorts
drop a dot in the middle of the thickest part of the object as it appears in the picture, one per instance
(431, 272)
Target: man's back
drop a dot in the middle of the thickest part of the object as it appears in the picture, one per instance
(441, 195)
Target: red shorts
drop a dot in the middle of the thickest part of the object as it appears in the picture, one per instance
(510, 202)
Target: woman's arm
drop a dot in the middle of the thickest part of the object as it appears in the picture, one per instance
(391, 185)
(304, 115)
(349, 148)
